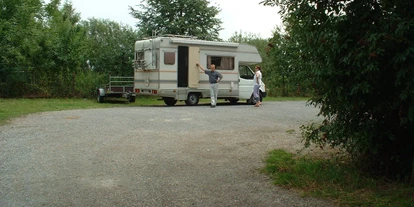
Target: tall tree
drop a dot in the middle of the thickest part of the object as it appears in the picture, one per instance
(111, 46)
(283, 53)
(20, 29)
(178, 17)
(63, 48)
(45, 47)
(360, 57)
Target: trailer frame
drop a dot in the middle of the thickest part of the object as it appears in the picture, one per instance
(118, 87)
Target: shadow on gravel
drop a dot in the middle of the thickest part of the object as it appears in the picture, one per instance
(161, 104)
(198, 105)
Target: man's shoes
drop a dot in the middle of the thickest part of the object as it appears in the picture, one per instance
(212, 106)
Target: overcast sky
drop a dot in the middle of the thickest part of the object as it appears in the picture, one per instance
(237, 15)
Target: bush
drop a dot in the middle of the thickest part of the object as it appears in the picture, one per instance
(87, 83)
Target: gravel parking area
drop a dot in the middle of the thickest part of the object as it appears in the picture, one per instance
(150, 156)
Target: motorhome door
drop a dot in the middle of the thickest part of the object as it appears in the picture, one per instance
(193, 71)
(182, 70)
(246, 82)
(187, 72)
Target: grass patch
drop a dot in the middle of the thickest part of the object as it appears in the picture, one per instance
(290, 131)
(285, 99)
(12, 108)
(335, 180)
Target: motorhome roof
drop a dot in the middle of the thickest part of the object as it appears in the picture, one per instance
(251, 55)
(202, 42)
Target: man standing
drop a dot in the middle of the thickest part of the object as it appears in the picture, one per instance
(214, 78)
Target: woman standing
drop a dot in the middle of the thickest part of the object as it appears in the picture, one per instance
(257, 80)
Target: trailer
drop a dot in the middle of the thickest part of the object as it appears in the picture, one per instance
(165, 67)
(118, 87)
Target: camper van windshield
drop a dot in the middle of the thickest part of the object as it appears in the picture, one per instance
(246, 72)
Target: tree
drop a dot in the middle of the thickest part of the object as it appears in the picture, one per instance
(20, 24)
(359, 57)
(178, 17)
(63, 46)
(282, 53)
(111, 47)
(45, 48)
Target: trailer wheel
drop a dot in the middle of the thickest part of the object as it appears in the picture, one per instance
(170, 102)
(100, 98)
(131, 99)
(192, 99)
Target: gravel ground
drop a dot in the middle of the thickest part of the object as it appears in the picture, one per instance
(150, 156)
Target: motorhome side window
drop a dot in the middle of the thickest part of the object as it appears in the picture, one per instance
(245, 72)
(139, 60)
(169, 58)
(221, 62)
(139, 55)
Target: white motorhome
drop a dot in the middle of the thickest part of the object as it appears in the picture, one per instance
(166, 67)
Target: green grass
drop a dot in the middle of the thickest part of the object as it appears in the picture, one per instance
(335, 180)
(285, 99)
(11, 108)
(290, 131)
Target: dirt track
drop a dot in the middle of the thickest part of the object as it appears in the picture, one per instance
(150, 156)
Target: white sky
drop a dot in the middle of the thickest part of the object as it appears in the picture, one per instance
(237, 15)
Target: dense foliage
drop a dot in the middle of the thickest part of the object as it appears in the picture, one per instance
(183, 17)
(46, 50)
(282, 54)
(358, 56)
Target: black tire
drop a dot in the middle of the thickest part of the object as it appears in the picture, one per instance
(252, 101)
(192, 99)
(233, 100)
(131, 99)
(100, 98)
(170, 102)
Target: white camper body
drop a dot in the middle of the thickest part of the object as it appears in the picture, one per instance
(166, 67)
